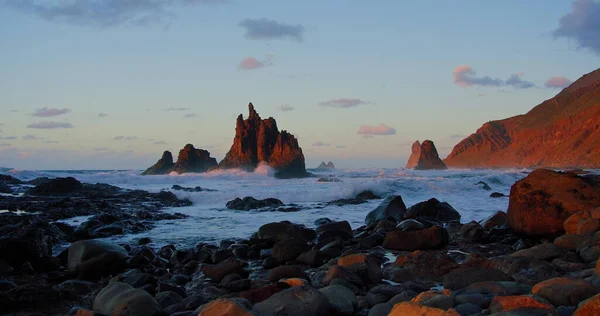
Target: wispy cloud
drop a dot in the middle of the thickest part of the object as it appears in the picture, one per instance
(176, 109)
(465, 76)
(49, 112)
(258, 29)
(320, 144)
(582, 25)
(102, 114)
(125, 138)
(250, 63)
(8, 137)
(340, 146)
(190, 115)
(5, 145)
(380, 129)
(31, 137)
(343, 103)
(104, 13)
(51, 142)
(557, 82)
(285, 108)
(50, 125)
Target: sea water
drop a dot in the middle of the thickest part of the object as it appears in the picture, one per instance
(210, 221)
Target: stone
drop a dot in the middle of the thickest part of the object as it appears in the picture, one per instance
(391, 207)
(583, 222)
(433, 208)
(429, 238)
(497, 288)
(545, 251)
(415, 154)
(522, 303)
(364, 266)
(295, 301)
(472, 232)
(463, 277)
(220, 270)
(57, 187)
(407, 225)
(409, 308)
(193, 160)
(223, 307)
(285, 230)
(429, 265)
(341, 300)
(168, 298)
(498, 219)
(564, 291)
(123, 300)
(250, 203)
(93, 259)
(540, 203)
(286, 272)
(289, 249)
(589, 307)
(436, 299)
(339, 272)
(162, 166)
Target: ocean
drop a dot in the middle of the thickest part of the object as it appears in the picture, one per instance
(210, 221)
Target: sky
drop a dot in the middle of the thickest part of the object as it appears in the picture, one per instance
(111, 84)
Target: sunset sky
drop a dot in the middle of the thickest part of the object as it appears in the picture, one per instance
(111, 84)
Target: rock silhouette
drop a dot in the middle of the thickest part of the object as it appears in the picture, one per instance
(425, 157)
(190, 159)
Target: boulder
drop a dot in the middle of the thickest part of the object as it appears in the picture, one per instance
(545, 251)
(341, 300)
(429, 238)
(564, 291)
(284, 230)
(93, 259)
(340, 272)
(463, 277)
(120, 299)
(429, 158)
(409, 308)
(289, 249)
(295, 301)
(260, 141)
(223, 307)
(472, 232)
(250, 203)
(392, 206)
(364, 266)
(583, 222)
(540, 203)
(163, 166)
(222, 269)
(287, 272)
(9, 179)
(520, 304)
(434, 298)
(589, 307)
(433, 208)
(5, 188)
(417, 265)
(58, 186)
(498, 219)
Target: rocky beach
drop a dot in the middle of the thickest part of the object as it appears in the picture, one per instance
(537, 257)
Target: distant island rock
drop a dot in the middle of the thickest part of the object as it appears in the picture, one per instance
(257, 140)
(325, 166)
(425, 157)
(190, 160)
(562, 132)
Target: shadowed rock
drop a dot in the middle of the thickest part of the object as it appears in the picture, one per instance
(413, 160)
(162, 166)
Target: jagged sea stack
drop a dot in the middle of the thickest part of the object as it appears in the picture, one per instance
(257, 140)
(413, 160)
(190, 159)
(424, 156)
(162, 166)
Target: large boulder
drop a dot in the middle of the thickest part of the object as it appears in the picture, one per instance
(224, 268)
(564, 291)
(250, 203)
(528, 304)
(58, 186)
(295, 301)
(223, 307)
(289, 249)
(429, 238)
(257, 140)
(541, 202)
(93, 259)
(589, 307)
(583, 222)
(120, 299)
(284, 230)
(409, 308)
(162, 166)
(392, 206)
(429, 158)
(341, 300)
(433, 208)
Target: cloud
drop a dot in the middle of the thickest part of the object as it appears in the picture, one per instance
(465, 76)
(8, 137)
(5, 145)
(557, 82)
(371, 130)
(582, 25)
(98, 149)
(285, 108)
(159, 142)
(31, 137)
(124, 138)
(320, 144)
(102, 114)
(176, 109)
(250, 63)
(49, 112)
(50, 125)
(258, 29)
(104, 13)
(190, 115)
(51, 142)
(340, 146)
(343, 103)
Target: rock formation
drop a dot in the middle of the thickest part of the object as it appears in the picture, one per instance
(561, 132)
(425, 157)
(413, 160)
(257, 140)
(190, 159)
(326, 166)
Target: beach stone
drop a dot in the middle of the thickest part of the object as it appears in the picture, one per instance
(409, 225)
(467, 309)
(463, 277)
(340, 272)
(569, 241)
(479, 299)
(431, 265)
(381, 309)
(564, 291)
(313, 258)
(289, 249)
(262, 293)
(92, 259)
(168, 298)
(285, 230)
(409, 308)
(522, 303)
(472, 232)
(285, 272)
(583, 222)
(223, 307)
(429, 238)
(499, 288)
(250, 203)
(545, 251)
(383, 293)
(343, 226)
(341, 300)
(392, 207)
(295, 282)
(123, 300)
(498, 219)
(220, 270)
(364, 266)
(295, 301)
(589, 307)
(434, 298)
(433, 208)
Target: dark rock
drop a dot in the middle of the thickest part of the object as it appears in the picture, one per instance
(295, 301)
(484, 185)
(58, 186)
(472, 232)
(391, 207)
(177, 187)
(433, 208)
(325, 166)
(497, 195)
(545, 251)
(467, 309)
(287, 272)
(9, 179)
(429, 158)
(341, 300)
(218, 271)
(92, 259)
(224, 307)
(193, 160)
(313, 258)
(364, 266)
(408, 225)
(250, 203)
(284, 230)
(428, 265)
(121, 299)
(463, 277)
(339, 272)
(257, 140)
(564, 291)
(429, 238)
(5, 188)
(168, 298)
(289, 249)
(163, 166)
(334, 226)
(498, 219)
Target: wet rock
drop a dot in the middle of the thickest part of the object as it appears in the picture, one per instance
(381, 309)
(541, 202)
(429, 238)
(250, 203)
(478, 299)
(499, 288)
(289, 249)
(545, 251)
(339, 272)
(391, 207)
(498, 219)
(313, 258)
(409, 225)
(260, 294)
(434, 298)
(524, 270)
(93, 259)
(409, 308)
(520, 304)
(472, 232)
(25, 244)
(5, 188)
(168, 298)
(383, 293)
(497, 195)
(484, 185)
(58, 187)
(589, 307)
(583, 222)
(286, 272)
(564, 291)
(341, 300)
(284, 230)
(429, 265)
(463, 277)
(368, 195)
(364, 266)
(433, 208)
(162, 166)
(223, 307)
(121, 299)
(343, 226)
(220, 270)
(9, 179)
(295, 301)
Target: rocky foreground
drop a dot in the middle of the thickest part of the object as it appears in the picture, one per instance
(538, 258)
